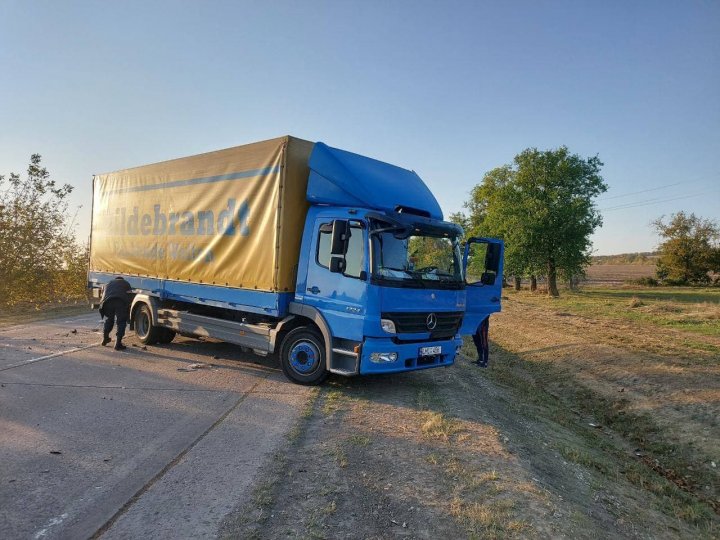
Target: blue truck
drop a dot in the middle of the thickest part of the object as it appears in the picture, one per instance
(334, 262)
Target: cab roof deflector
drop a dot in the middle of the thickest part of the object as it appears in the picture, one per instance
(341, 178)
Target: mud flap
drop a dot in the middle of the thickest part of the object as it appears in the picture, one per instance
(480, 338)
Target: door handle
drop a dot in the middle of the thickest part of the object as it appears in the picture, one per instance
(313, 289)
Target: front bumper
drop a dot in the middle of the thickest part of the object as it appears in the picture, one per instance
(409, 358)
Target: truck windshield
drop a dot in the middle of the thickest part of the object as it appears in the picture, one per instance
(420, 260)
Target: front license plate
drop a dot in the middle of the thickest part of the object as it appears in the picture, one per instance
(430, 351)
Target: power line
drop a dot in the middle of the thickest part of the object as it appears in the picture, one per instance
(642, 191)
(603, 198)
(650, 202)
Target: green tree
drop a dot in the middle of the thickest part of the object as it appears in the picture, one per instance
(542, 206)
(689, 250)
(37, 244)
(483, 220)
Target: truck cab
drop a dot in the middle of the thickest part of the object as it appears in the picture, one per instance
(391, 289)
(387, 276)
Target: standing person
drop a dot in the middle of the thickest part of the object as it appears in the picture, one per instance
(115, 303)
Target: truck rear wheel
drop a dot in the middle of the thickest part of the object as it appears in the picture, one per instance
(144, 329)
(302, 357)
(166, 335)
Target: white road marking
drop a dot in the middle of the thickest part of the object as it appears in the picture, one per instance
(48, 356)
(54, 521)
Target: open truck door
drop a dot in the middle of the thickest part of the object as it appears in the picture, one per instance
(483, 267)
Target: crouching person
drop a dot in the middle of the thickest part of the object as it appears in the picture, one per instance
(115, 304)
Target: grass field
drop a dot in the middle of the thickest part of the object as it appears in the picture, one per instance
(645, 362)
(693, 309)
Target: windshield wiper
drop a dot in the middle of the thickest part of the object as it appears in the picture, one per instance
(413, 277)
(417, 277)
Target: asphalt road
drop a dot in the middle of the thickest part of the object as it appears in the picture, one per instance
(132, 444)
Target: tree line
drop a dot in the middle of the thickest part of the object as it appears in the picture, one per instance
(40, 259)
(543, 206)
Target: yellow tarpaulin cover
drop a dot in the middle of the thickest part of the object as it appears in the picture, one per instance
(232, 218)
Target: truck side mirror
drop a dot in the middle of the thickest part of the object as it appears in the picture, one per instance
(337, 265)
(492, 258)
(340, 237)
(488, 278)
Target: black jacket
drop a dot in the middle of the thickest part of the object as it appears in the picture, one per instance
(117, 288)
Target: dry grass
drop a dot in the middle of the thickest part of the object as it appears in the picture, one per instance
(438, 426)
(359, 440)
(705, 311)
(664, 308)
(691, 309)
(488, 519)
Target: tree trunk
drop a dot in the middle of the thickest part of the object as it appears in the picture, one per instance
(517, 283)
(533, 283)
(552, 278)
(572, 282)
(504, 282)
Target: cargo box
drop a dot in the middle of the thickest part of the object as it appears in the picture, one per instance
(232, 218)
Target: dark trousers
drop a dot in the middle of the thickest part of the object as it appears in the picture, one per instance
(115, 309)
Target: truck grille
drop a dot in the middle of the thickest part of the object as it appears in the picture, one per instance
(448, 323)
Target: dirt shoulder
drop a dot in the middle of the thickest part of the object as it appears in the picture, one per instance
(522, 449)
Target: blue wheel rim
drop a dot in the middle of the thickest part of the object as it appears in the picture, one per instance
(304, 357)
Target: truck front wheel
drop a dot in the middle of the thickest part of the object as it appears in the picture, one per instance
(144, 329)
(302, 357)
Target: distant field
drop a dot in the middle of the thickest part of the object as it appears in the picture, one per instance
(691, 309)
(618, 273)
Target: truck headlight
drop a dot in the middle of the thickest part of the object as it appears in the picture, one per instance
(379, 357)
(387, 325)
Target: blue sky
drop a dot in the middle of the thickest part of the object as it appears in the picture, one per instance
(449, 89)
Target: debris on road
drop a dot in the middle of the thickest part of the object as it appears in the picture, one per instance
(56, 452)
(195, 367)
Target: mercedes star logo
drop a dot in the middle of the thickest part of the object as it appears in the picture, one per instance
(431, 321)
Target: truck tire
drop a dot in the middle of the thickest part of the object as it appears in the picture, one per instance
(166, 335)
(144, 329)
(302, 357)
